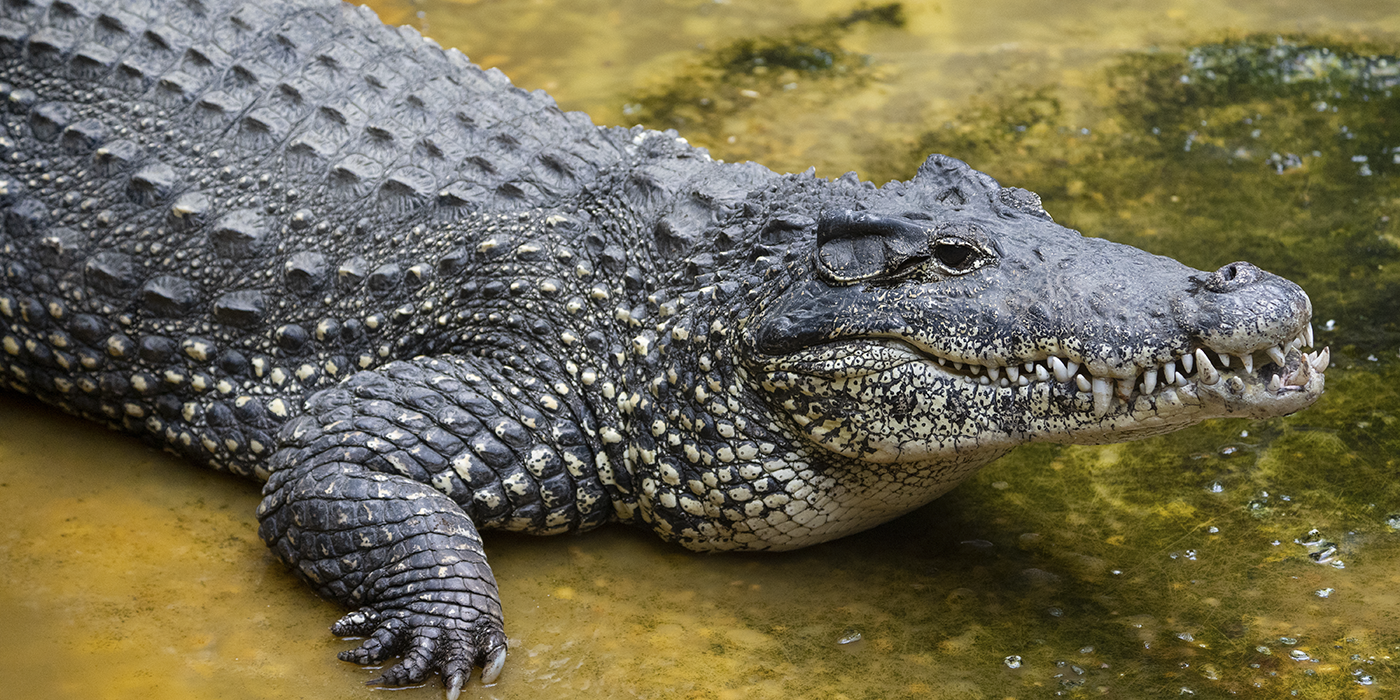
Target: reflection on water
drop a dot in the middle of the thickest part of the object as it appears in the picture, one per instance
(1241, 559)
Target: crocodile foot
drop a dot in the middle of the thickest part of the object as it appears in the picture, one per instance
(439, 639)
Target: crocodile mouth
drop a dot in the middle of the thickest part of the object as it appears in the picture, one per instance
(1264, 374)
(1280, 369)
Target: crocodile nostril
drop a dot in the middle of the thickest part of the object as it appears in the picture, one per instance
(1232, 277)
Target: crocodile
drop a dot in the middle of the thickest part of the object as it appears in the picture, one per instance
(283, 240)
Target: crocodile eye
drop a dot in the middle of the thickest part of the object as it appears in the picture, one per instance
(956, 255)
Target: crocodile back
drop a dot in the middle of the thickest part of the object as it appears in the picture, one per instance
(211, 208)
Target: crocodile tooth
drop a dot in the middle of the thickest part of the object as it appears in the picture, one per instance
(942, 361)
(1224, 359)
(994, 373)
(1082, 382)
(1169, 372)
(1186, 363)
(1298, 377)
(1125, 387)
(1103, 395)
(1149, 381)
(1042, 374)
(1275, 383)
(1013, 372)
(1308, 336)
(1208, 375)
(1295, 343)
(1023, 380)
(1248, 361)
(1058, 367)
(1207, 372)
(1003, 382)
(1276, 354)
(1321, 359)
(1071, 366)
(957, 365)
(983, 380)
(1029, 367)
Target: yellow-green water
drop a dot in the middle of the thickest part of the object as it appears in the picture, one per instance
(1176, 565)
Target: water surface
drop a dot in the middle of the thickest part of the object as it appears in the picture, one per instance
(1238, 559)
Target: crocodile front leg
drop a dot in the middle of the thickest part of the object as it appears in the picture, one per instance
(404, 554)
(378, 488)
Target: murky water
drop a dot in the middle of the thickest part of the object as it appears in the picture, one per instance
(1240, 559)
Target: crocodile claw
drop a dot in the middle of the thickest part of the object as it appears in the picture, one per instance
(454, 684)
(491, 670)
(427, 645)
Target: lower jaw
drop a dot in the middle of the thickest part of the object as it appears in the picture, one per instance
(1176, 407)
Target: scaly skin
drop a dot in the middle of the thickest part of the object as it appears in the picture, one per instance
(283, 240)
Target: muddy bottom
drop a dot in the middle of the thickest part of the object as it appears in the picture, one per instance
(1237, 559)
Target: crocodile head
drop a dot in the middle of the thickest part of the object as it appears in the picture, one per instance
(887, 342)
(950, 315)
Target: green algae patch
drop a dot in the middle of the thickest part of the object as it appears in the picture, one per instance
(724, 82)
(745, 85)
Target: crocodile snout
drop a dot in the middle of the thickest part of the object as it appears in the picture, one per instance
(1240, 308)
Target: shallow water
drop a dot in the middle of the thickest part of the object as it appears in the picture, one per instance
(1240, 558)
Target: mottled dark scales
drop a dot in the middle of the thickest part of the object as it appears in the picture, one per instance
(286, 241)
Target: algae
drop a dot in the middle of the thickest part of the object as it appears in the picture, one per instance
(804, 65)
